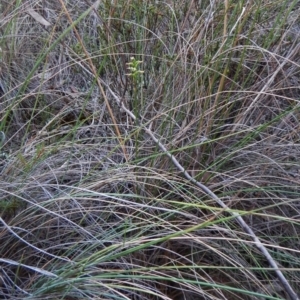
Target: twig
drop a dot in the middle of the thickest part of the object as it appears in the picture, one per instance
(240, 220)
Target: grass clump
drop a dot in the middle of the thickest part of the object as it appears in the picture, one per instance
(138, 135)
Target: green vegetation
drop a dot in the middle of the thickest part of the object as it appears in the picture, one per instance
(149, 149)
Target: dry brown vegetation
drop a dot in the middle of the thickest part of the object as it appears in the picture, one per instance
(103, 104)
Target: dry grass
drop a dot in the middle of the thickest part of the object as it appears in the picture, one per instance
(90, 206)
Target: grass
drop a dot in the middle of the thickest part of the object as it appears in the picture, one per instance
(150, 151)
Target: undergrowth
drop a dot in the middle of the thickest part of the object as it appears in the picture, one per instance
(99, 100)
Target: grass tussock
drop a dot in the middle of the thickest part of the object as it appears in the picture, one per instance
(106, 107)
